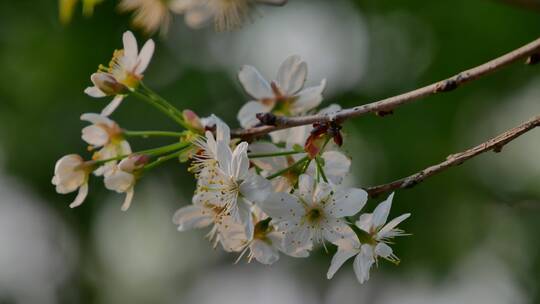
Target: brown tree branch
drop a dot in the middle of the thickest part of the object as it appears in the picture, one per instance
(386, 105)
(495, 144)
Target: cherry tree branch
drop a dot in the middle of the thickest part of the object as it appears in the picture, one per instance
(530, 51)
(495, 144)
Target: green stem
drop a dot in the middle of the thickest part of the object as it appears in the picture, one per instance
(280, 172)
(261, 155)
(160, 103)
(163, 159)
(152, 133)
(164, 149)
(320, 169)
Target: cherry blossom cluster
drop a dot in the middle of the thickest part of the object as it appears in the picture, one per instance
(259, 198)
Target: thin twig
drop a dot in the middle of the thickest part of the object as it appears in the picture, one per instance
(387, 105)
(495, 144)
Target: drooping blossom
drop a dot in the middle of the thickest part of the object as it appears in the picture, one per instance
(70, 174)
(122, 178)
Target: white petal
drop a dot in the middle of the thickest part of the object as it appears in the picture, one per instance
(94, 92)
(292, 75)
(365, 222)
(346, 202)
(308, 99)
(97, 119)
(340, 257)
(254, 84)
(145, 56)
(264, 253)
(337, 232)
(383, 250)
(83, 192)
(363, 262)
(282, 206)
(336, 166)
(280, 136)
(111, 107)
(119, 181)
(322, 193)
(192, 217)
(247, 114)
(380, 214)
(255, 188)
(269, 164)
(298, 239)
(296, 136)
(386, 231)
(224, 157)
(128, 199)
(232, 235)
(306, 184)
(130, 49)
(95, 135)
(240, 161)
(223, 132)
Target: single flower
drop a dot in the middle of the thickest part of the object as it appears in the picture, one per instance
(125, 71)
(314, 212)
(151, 15)
(71, 173)
(284, 96)
(122, 178)
(104, 134)
(373, 243)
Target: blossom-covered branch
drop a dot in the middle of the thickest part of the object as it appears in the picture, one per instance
(494, 144)
(529, 51)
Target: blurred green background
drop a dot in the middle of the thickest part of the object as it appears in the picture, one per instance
(475, 227)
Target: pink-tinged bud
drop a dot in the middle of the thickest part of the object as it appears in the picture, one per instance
(193, 120)
(107, 83)
(133, 163)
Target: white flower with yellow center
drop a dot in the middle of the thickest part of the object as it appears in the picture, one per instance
(206, 157)
(71, 173)
(106, 135)
(314, 212)
(283, 96)
(125, 70)
(375, 236)
(227, 14)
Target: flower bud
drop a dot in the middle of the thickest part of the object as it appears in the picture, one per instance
(107, 83)
(133, 162)
(193, 120)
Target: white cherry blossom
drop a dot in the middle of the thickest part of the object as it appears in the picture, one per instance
(124, 71)
(104, 134)
(122, 178)
(70, 174)
(373, 244)
(283, 96)
(314, 212)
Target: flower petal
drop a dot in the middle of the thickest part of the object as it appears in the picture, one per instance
(388, 229)
(240, 161)
(346, 202)
(337, 232)
(292, 75)
(306, 184)
(383, 250)
(255, 188)
(145, 56)
(298, 239)
(380, 214)
(130, 49)
(247, 114)
(363, 262)
(336, 166)
(128, 199)
(111, 107)
(282, 206)
(339, 258)
(254, 84)
(365, 222)
(94, 92)
(264, 253)
(95, 135)
(308, 99)
(81, 196)
(192, 217)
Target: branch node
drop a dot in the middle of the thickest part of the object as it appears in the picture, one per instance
(448, 84)
(383, 113)
(267, 119)
(498, 148)
(533, 59)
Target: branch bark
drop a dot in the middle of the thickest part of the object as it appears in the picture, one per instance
(495, 144)
(531, 50)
